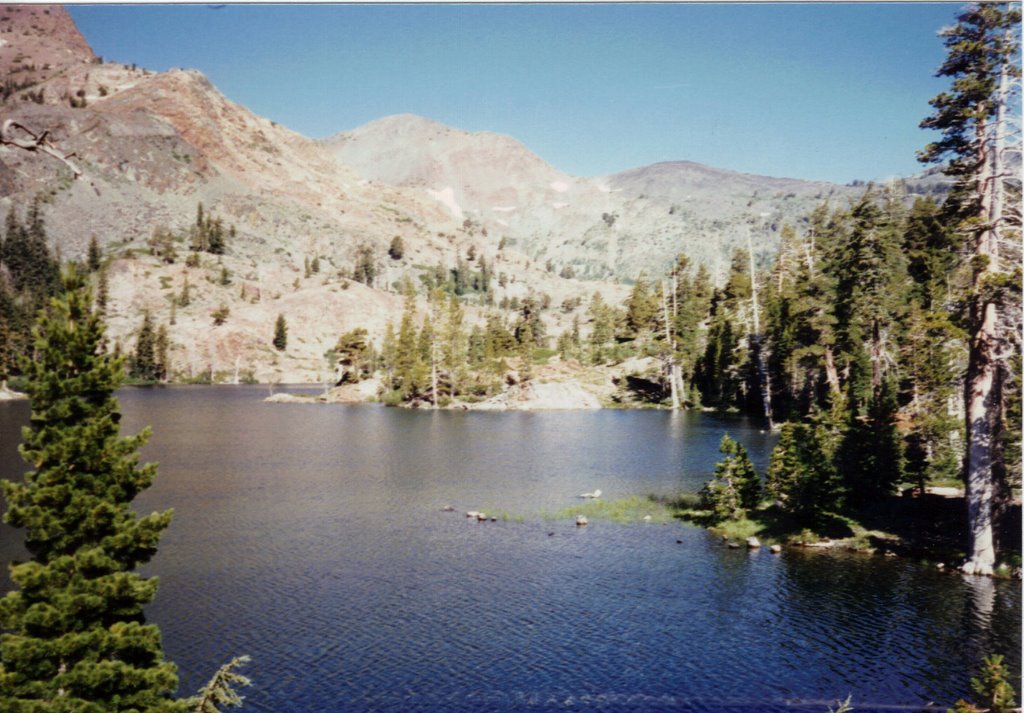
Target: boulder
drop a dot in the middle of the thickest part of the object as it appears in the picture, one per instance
(581, 520)
(753, 543)
(776, 549)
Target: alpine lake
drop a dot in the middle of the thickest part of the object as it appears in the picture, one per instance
(314, 539)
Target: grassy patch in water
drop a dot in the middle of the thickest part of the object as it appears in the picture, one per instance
(623, 510)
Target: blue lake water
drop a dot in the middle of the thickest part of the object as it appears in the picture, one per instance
(312, 539)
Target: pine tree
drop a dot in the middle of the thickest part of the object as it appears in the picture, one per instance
(143, 362)
(801, 474)
(983, 58)
(75, 629)
(94, 257)
(388, 352)
(641, 306)
(102, 292)
(736, 486)
(454, 350)
(280, 333)
(602, 330)
(408, 364)
(870, 458)
(397, 249)
(161, 347)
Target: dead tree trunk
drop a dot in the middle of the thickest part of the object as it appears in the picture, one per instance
(762, 371)
(670, 347)
(14, 134)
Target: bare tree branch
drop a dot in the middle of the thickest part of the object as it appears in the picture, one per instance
(41, 142)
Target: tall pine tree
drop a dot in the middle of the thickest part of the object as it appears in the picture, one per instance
(974, 119)
(75, 636)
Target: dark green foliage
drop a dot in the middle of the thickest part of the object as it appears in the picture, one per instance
(397, 249)
(143, 364)
(725, 373)
(162, 346)
(801, 474)
(641, 306)
(931, 249)
(736, 486)
(102, 292)
(161, 244)
(365, 269)
(29, 276)
(602, 331)
(94, 257)
(984, 38)
(870, 458)
(208, 234)
(74, 628)
(355, 355)
(933, 355)
(280, 340)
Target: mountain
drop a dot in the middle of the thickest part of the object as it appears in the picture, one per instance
(153, 147)
(609, 227)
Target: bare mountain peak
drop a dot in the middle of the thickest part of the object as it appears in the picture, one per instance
(36, 41)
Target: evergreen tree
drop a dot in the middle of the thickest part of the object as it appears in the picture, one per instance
(408, 364)
(870, 458)
(641, 306)
(397, 249)
(102, 292)
(162, 346)
(365, 269)
(388, 356)
(725, 374)
(94, 257)
(975, 123)
(691, 302)
(75, 634)
(144, 362)
(934, 356)
(931, 249)
(454, 349)
(280, 333)
(736, 486)
(601, 332)
(801, 474)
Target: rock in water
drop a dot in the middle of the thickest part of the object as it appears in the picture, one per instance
(753, 543)
(581, 520)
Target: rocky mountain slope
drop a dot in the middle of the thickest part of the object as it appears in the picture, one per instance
(154, 146)
(609, 227)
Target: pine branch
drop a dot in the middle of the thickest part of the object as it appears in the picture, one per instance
(221, 688)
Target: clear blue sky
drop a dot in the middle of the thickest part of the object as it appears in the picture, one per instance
(816, 91)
